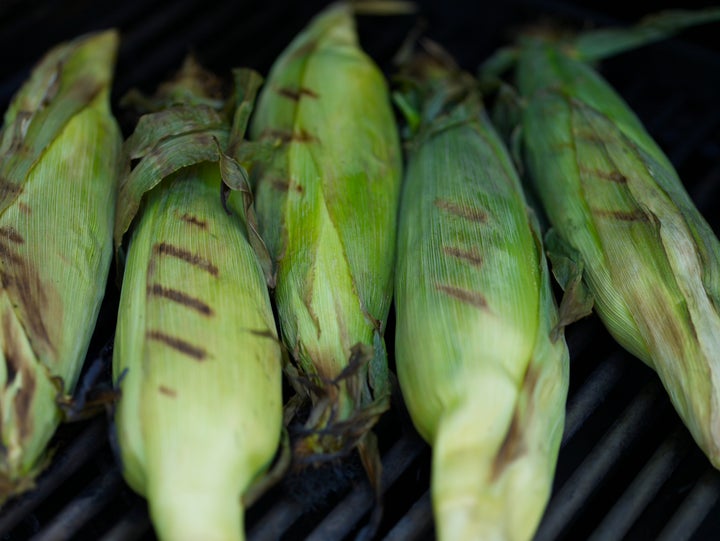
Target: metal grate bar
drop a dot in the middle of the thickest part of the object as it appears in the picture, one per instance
(158, 61)
(155, 27)
(129, 14)
(684, 523)
(83, 508)
(417, 521)
(239, 41)
(348, 512)
(580, 336)
(283, 514)
(64, 465)
(641, 491)
(564, 507)
(133, 525)
(343, 518)
(592, 394)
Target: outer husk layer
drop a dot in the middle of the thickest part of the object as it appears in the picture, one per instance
(481, 365)
(327, 202)
(197, 355)
(621, 216)
(59, 159)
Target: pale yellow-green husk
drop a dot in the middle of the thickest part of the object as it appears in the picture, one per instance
(59, 156)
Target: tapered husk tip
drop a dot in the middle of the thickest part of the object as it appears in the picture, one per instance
(9, 487)
(463, 521)
(87, 60)
(489, 482)
(106, 40)
(188, 515)
(337, 413)
(500, 510)
(335, 23)
(91, 59)
(97, 44)
(334, 12)
(13, 484)
(711, 450)
(99, 51)
(324, 437)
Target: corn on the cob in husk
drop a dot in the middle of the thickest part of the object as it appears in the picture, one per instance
(197, 357)
(481, 361)
(623, 227)
(59, 158)
(327, 203)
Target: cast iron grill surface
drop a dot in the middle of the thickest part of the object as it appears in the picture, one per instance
(628, 469)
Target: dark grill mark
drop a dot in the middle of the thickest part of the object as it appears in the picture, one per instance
(530, 381)
(283, 185)
(193, 220)
(617, 176)
(22, 404)
(296, 94)
(612, 176)
(11, 234)
(180, 298)
(8, 189)
(11, 368)
(263, 334)
(510, 450)
(17, 364)
(673, 335)
(287, 136)
(167, 391)
(279, 184)
(465, 295)
(471, 256)
(562, 146)
(308, 48)
(13, 364)
(590, 137)
(622, 215)
(33, 298)
(178, 344)
(174, 251)
(469, 213)
(9, 256)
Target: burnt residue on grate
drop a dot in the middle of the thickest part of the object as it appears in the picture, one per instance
(628, 468)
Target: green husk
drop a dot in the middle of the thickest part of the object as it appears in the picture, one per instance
(59, 167)
(481, 359)
(622, 219)
(197, 356)
(327, 196)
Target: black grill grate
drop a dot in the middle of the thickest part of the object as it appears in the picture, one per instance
(628, 469)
